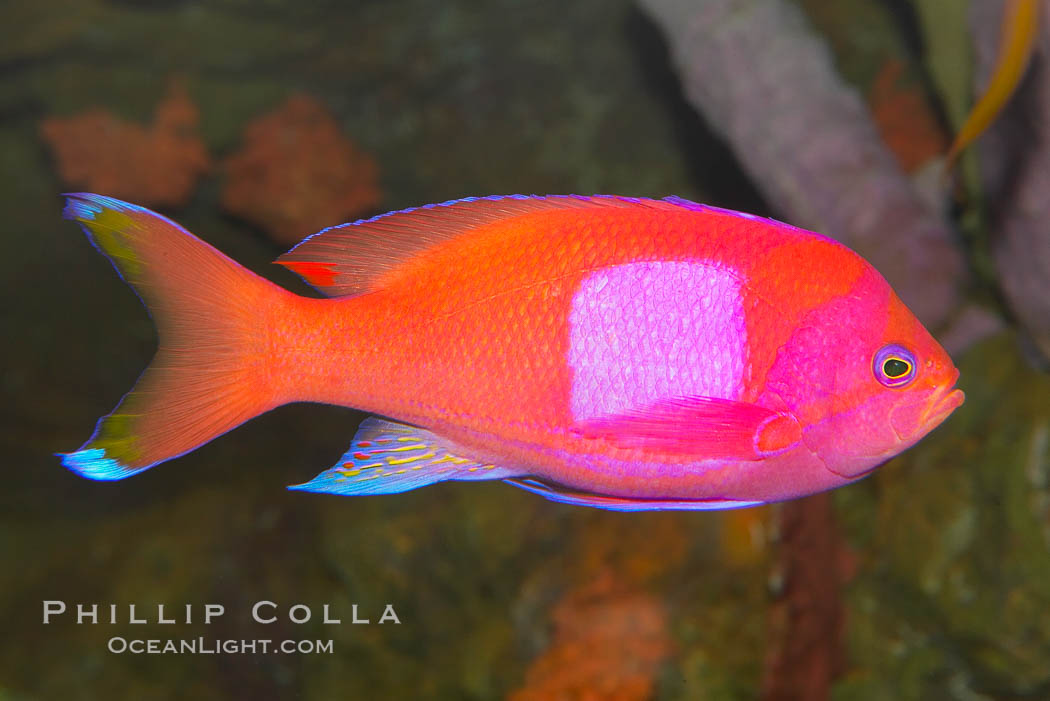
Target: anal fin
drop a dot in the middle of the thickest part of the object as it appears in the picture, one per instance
(386, 457)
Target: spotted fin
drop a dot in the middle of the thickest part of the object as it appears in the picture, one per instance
(387, 457)
(610, 503)
(355, 258)
(701, 427)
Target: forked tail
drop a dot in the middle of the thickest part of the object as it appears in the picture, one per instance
(210, 370)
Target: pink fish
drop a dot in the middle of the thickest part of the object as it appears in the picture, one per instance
(614, 352)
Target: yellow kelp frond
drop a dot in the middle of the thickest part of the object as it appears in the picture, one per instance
(1017, 37)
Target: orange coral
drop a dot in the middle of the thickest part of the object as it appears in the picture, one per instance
(296, 173)
(155, 165)
(905, 119)
(608, 645)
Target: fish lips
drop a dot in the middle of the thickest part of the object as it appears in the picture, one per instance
(913, 420)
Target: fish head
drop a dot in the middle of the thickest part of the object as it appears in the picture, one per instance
(865, 379)
(912, 378)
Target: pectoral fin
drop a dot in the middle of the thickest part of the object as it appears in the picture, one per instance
(700, 427)
(387, 457)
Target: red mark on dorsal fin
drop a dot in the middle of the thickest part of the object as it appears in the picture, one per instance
(313, 272)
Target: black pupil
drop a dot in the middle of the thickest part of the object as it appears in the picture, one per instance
(895, 368)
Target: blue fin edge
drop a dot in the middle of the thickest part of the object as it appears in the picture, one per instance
(93, 464)
(625, 504)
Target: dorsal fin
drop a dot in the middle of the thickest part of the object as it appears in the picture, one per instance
(350, 258)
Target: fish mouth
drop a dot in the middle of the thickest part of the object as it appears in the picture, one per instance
(944, 401)
(912, 421)
(941, 404)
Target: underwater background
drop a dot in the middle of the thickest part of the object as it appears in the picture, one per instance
(255, 123)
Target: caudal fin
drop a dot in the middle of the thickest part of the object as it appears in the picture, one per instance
(209, 373)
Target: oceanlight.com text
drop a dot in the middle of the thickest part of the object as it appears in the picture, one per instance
(211, 646)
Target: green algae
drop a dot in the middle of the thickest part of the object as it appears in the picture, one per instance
(861, 34)
(948, 54)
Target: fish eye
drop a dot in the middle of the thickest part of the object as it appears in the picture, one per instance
(894, 366)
